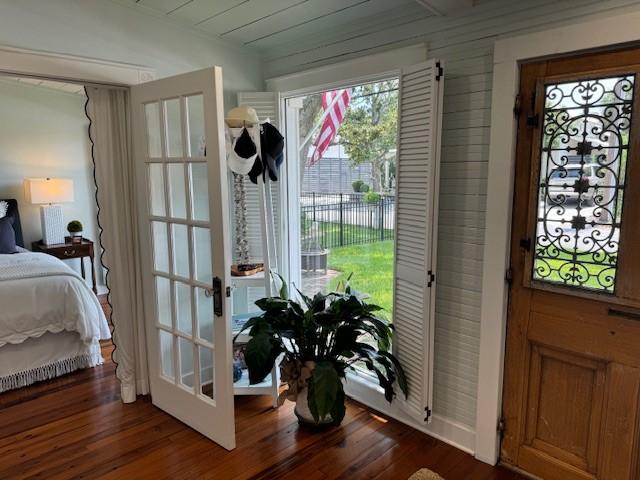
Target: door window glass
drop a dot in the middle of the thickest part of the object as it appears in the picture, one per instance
(583, 163)
(173, 127)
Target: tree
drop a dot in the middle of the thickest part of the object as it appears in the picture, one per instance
(309, 115)
(368, 132)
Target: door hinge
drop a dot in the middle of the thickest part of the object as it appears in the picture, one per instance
(508, 276)
(533, 119)
(440, 71)
(501, 426)
(517, 105)
(427, 414)
(432, 278)
(525, 244)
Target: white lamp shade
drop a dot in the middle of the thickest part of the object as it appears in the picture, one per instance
(49, 190)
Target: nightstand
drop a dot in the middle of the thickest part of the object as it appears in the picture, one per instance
(68, 250)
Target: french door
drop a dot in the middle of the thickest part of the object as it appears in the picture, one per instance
(182, 196)
(572, 372)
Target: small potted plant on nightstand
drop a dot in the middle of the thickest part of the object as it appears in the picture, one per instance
(75, 231)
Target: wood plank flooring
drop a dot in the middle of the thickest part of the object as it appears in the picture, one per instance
(76, 427)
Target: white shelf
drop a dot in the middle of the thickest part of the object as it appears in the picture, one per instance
(242, 387)
(256, 280)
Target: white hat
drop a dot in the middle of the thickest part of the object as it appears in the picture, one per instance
(242, 164)
(242, 117)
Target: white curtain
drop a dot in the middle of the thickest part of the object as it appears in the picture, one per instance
(109, 113)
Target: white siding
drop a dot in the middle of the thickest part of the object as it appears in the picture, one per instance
(465, 45)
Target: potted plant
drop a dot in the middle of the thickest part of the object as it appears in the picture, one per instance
(75, 231)
(320, 338)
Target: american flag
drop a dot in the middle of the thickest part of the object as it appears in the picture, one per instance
(332, 121)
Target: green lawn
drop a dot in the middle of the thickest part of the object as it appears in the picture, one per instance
(600, 270)
(372, 267)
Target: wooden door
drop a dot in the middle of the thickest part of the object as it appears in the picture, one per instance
(572, 371)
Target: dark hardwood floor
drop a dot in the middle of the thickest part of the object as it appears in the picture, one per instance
(76, 427)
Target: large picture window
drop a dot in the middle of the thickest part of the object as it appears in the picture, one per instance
(347, 163)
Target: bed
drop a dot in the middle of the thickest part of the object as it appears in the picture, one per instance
(51, 323)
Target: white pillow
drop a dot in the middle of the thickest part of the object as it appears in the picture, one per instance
(4, 206)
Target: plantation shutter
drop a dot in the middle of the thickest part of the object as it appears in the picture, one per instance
(266, 105)
(418, 157)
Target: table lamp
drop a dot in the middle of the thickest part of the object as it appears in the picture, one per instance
(48, 193)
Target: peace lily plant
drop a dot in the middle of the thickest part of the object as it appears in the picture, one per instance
(320, 338)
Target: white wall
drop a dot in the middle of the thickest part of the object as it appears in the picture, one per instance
(465, 44)
(110, 31)
(43, 133)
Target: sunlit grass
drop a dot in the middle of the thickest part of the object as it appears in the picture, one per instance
(372, 267)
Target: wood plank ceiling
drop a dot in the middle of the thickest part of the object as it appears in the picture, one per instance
(266, 25)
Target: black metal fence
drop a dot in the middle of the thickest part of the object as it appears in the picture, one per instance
(331, 220)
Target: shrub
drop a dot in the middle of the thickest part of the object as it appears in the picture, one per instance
(371, 197)
(364, 188)
(356, 184)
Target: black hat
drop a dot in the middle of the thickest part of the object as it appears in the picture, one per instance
(272, 143)
(242, 154)
(271, 154)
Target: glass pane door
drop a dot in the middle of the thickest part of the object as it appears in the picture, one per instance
(189, 346)
(181, 242)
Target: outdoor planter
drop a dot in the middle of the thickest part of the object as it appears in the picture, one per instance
(314, 260)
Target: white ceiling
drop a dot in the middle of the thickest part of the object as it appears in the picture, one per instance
(50, 84)
(267, 24)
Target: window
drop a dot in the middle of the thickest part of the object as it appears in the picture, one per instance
(583, 169)
(347, 162)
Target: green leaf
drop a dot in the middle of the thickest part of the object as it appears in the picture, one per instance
(260, 355)
(319, 302)
(284, 291)
(311, 401)
(271, 304)
(338, 410)
(247, 325)
(345, 339)
(307, 301)
(402, 379)
(326, 383)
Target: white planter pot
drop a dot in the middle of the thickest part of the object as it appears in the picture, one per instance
(304, 414)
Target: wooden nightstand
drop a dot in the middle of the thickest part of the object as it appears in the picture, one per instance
(65, 251)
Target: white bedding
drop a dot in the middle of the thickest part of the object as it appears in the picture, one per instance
(39, 294)
(45, 357)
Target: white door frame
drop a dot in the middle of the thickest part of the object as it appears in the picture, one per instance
(508, 54)
(71, 69)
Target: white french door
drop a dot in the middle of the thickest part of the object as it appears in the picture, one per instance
(182, 197)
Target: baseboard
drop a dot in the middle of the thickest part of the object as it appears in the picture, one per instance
(442, 428)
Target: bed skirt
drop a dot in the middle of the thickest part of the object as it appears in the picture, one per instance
(44, 358)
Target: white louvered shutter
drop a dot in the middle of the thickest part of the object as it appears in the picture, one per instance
(418, 157)
(267, 106)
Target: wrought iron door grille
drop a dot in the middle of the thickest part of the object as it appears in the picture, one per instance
(583, 163)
